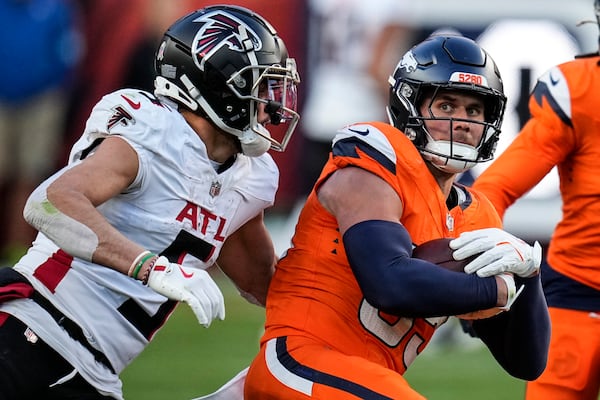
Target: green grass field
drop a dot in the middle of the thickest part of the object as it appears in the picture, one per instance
(186, 360)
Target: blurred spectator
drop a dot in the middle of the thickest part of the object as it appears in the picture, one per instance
(111, 31)
(40, 48)
(352, 48)
(157, 15)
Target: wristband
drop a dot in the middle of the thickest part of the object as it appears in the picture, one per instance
(136, 261)
(140, 264)
(513, 293)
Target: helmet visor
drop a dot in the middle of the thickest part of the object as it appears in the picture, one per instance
(273, 101)
(282, 99)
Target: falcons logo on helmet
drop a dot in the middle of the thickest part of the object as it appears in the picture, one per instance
(220, 29)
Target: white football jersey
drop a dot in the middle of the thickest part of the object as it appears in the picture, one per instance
(178, 206)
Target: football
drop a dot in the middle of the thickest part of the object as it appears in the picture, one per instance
(438, 251)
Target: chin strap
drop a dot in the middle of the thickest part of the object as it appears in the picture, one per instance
(253, 144)
(464, 156)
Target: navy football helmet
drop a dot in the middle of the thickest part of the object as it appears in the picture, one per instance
(446, 62)
(221, 62)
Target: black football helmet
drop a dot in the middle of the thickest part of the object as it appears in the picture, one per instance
(446, 62)
(221, 62)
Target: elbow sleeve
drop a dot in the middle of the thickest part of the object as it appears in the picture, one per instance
(72, 236)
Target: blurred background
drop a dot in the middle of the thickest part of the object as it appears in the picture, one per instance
(63, 55)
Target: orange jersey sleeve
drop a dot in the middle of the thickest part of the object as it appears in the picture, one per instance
(563, 132)
(314, 291)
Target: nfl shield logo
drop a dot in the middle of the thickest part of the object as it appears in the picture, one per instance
(215, 189)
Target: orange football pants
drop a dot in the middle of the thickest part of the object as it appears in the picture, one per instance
(573, 369)
(299, 368)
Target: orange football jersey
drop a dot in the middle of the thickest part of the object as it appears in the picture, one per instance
(314, 292)
(564, 132)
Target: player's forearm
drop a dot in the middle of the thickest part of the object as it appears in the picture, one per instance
(519, 339)
(76, 226)
(251, 276)
(392, 281)
(248, 259)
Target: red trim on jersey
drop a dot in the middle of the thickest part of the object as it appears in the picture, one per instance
(15, 291)
(54, 269)
(3, 317)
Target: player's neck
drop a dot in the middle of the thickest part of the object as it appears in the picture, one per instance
(443, 179)
(220, 146)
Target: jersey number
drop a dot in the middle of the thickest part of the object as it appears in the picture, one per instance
(395, 331)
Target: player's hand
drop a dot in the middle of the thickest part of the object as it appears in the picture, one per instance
(501, 252)
(192, 286)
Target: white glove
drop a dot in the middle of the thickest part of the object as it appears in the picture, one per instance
(192, 286)
(501, 252)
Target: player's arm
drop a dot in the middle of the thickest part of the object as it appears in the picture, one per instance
(503, 182)
(248, 259)
(379, 249)
(519, 338)
(65, 210)
(545, 140)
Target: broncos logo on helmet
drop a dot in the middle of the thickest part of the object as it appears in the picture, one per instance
(222, 29)
(408, 62)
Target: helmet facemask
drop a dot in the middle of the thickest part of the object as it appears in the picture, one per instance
(275, 92)
(451, 155)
